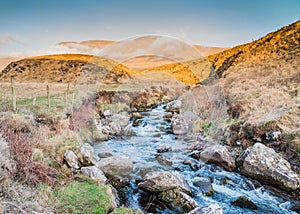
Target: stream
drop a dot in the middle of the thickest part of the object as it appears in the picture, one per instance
(152, 133)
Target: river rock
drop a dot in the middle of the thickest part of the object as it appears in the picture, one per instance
(178, 200)
(119, 166)
(120, 119)
(162, 181)
(86, 155)
(219, 155)
(295, 206)
(244, 202)
(192, 164)
(163, 160)
(182, 123)
(264, 164)
(94, 173)
(195, 155)
(72, 160)
(163, 149)
(113, 196)
(104, 155)
(211, 209)
(107, 114)
(174, 106)
(204, 185)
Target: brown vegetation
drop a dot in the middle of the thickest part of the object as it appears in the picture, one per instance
(261, 81)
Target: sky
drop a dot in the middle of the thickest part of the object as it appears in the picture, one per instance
(34, 26)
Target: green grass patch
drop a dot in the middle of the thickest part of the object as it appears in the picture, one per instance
(126, 210)
(83, 197)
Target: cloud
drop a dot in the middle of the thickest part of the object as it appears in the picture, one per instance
(6, 39)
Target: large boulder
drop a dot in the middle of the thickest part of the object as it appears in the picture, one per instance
(112, 124)
(86, 155)
(116, 166)
(94, 173)
(163, 181)
(183, 123)
(264, 164)
(174, 106)
(178, 200)
(219, 155)
(72, 160)
(211, 209)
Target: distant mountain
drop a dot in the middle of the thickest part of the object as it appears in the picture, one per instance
(136, 63)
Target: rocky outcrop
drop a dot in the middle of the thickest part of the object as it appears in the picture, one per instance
(211, 209)
(116, 166)
(94, 173)
(163, 181)
(219, 155)
(264, 164)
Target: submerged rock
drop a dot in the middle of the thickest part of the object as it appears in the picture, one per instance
(204, 185)
(211, 209)
(162, 181)
(219, 155)
(163, 149)
(104, 155)
(119, 166)
(94, 173)
(244, 202)
(264, 164)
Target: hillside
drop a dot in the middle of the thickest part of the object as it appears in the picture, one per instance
(283, 44)
(261, 81)
(190, 72)
(62, 68)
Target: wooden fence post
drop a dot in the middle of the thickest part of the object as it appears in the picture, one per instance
(13, 92)
(67, 93)
(34, 100)
(48, 96)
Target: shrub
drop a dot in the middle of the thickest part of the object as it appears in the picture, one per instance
(21, 150)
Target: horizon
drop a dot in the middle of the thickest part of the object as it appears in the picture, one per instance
(33, 28)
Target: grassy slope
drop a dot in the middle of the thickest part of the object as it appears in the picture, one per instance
(261, 81)
(59, 68)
